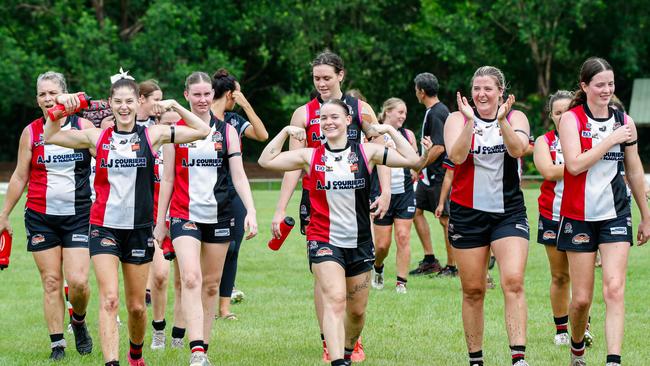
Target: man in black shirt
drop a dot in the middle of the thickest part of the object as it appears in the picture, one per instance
(428, 189)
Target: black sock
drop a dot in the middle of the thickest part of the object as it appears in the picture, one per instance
(476, 358)
(205, 347)
(112, 363)
(56, 340)
(159, 325)
(614, 358)
(379, 269)
(197, 346)
(578, 348)
(401, 279)
(561, 324)
(451, 266)
(347, 355)
(178, 332)
(135, 350)
(429, 258)
(78, 319)
(518, 353)
(339, 362)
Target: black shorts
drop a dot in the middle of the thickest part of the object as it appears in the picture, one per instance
(470, 228)
(221, 232)
(427, 197)
(305, 208)
(585, 236)
(354, 260)
(402, 206)
(135, 246)
(48, 231)
(547, 231)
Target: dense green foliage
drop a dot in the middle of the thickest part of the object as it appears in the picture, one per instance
(268, 45)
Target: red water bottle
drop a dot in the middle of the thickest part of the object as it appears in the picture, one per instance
(58, 110)
(285, 228)
(5, 249)
(168, 249)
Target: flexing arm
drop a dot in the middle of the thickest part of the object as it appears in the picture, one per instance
(18, 180)
(402, 157)
(194, 129)
(636, 179)
(515, 133)
(240, 181)
(273, 158)
(544, 163)
(575, 160)
(256, 131)
(165, 192)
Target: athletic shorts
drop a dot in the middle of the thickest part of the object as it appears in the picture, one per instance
(354, 260)
(221, 232)
(305, 208)
(48, 231)
(585, 236)
(135, 246)
(427, 198)
(470, 228)
(547, 231)
(402, 206)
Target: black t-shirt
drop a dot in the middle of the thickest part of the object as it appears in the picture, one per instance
(433, 126)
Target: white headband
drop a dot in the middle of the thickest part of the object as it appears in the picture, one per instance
(121, 75)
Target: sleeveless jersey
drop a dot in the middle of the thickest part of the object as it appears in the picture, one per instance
(58, 176)
(400, 178)
(550, 197)
(200, 186)
(600, 192)
(240, 124)
(339, 196)
(488, 180)
(124, 179)
(315, 137)
(158, 169)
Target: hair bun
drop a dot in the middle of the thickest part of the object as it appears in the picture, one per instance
(221, 73)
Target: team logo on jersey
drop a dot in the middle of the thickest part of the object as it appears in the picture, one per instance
(80, 238)
(629, 221)
(478, 131)
(619, 230)
(94, 233)
(134, 139)
(580, 239)
(586, 134)
(588, 125)
(138, 253)
(233, 122)
(312, 244)
(190, 225)
(217, 137)
(38, 239)
(325, 251)
(549, 235)
(222, 232)
(568, 228)
(314, 121)
(108, 242)
(352, 134)
(352, 157)
(323, 158)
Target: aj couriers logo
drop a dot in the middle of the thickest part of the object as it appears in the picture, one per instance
(63, 158)
(123, 163)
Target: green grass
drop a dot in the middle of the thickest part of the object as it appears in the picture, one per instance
(277, 325)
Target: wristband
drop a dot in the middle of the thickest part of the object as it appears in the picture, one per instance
(234, 154)
(383, 161)
(172, 132)
(626, 144)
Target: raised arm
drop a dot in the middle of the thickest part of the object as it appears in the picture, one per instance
(18, 180)
(402, 157)
(515, 133)
(544, 163)
(577, 161)
(368, 118)
(194, 129)
(256, 131)
(459, 129)
(273, 158)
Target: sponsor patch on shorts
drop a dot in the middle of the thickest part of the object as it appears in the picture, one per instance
(38, 239)
(580, 239)
(618, 230)
(80, 238)
(323, 252)
(190, 225)
(568, 228)
(456, 237)
(221, 232)
(150, 242)
(540, 225)
(522, 227)
(139, 253)
(410, 209)
(549, 235)
(629, 221)
(94, 233)
(175, 220)
(312, 244)
(107, 242)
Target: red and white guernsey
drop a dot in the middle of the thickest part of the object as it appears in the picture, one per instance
(315, 137)
(600, 192)
(58, 176)
(158, 169)
(550, 198)
(339, 196)
(124, 179)
(488, 180)
(200, 186)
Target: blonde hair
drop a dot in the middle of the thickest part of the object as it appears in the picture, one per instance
(495, 74)
(389, 105)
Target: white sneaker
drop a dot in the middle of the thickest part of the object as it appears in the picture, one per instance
(612, 364)
(589, 338)
(562, 339)
(237, 296)
(199, 359)
(400, 288)
(378, 280)
(158, 339)
(177, 343)
(578, 360)
(521, 363)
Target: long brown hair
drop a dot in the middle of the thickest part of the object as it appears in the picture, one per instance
(589, 68)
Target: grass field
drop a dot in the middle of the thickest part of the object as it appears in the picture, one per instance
(277, 325)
